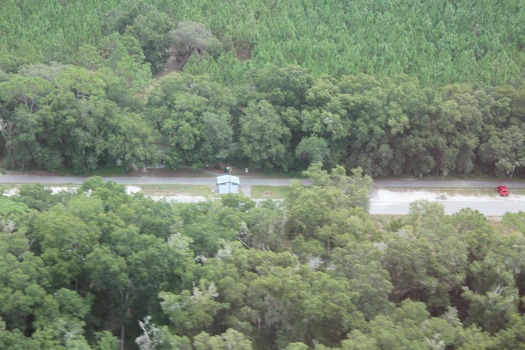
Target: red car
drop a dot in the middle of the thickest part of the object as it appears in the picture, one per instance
(502, 190)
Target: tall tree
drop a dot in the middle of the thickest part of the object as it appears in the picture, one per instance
(190, 38)
(263, 138)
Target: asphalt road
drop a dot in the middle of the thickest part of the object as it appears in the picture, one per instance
(494, 207)
(446, 183)
(251, 181)
(490, 207)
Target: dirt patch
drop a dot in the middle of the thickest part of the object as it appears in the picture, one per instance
(244, 54)
(172, 65)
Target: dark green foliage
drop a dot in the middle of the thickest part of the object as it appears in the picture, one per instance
(151, 30)
(386, 88)
(190, 38)
(38, 197)
(92, 268)
(193, 116)
(263, 137)
(59, 117)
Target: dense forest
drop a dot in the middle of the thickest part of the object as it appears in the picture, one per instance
(394, 87)
(95, 268)
(368, 88)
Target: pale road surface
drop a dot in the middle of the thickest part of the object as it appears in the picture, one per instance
(493, 206)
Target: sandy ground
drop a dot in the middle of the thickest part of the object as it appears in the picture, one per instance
(410, 196)
(383, 201)
(390, 202)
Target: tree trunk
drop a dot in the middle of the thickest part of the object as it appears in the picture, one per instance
(122, 335)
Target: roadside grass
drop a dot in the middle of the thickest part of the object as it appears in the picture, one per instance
(269, 192)
(185, 190)
(7, 187)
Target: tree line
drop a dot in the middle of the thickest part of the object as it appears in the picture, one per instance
(72, 117)
(97, 268)
(83, 99)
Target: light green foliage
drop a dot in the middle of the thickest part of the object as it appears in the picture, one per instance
(15, 340)
(10, 210)
(312, 149)
(297, 346)
(492, 311)
(21, 285)
(65, 241)
(209, 225)
(476, 230)
(131, 142)
(99, 261)
(21, 53)
(37, 197)
(331, 210)
(151, 29)
(410, 327)
(515, 220)
(276, 301)
(191, 38)
(284, 87)
(151, 337)
(106, 341)
(59, 323)
(473, 338)
(355, 187)
(359, 341)
(124, 57)
(229, 340)
(238, 202)
(359, 263)
(426, 261)
(512, 337)
(308, 208)
(263, 227)
(505, 149)
(194, 310)
(24, 91)
(436, 41)
(346, 226)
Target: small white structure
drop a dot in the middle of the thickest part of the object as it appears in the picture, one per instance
(227, 184)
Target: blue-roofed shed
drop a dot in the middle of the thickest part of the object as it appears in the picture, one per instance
(228, 184)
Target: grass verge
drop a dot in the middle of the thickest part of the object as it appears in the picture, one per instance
(269, 192)
(183, 190)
